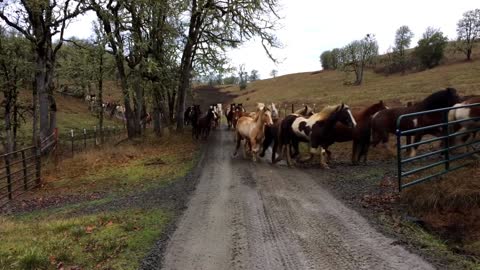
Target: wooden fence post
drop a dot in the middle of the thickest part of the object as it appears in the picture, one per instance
(38, 163)
(71, 134)
(9, 176)
(94, 136)
(85, 139)
(24, 163)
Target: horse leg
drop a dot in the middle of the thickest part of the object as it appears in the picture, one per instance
(355, 153)
(413, 150)
(254, 149)
(238, 141)
(289, 157)
(274, 151)
(319, 152)
(364, 152)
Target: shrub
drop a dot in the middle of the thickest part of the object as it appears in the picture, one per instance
(431, 47)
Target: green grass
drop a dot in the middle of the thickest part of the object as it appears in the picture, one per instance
(439, 248)
(111, 240)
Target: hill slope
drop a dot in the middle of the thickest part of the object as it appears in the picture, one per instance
(327, 87)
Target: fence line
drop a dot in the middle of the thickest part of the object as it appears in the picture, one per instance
(21, 169)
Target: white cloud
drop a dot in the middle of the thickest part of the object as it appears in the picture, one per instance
(312, 26)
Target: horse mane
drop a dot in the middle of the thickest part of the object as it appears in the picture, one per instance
(324, 113)
(371, 110)
(303, 111)
(439, 99)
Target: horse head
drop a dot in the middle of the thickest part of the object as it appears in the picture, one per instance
(344, 115)
(266, 116)
(274, 111)
(441, 99)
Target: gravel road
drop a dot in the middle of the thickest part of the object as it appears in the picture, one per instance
(246, 215)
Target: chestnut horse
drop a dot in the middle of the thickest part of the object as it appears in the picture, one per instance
(317, 130)
(360, 135)
(385, 122)
(252, 130)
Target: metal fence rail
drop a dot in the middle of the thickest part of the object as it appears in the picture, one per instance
(426, 161)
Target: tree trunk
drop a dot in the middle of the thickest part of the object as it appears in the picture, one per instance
(43, 100)
(469, 54)
(100, 97)
(35, 114)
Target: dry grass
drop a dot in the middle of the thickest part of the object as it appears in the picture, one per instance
(322, 88)
(129, 165)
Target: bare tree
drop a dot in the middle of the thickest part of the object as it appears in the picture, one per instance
(217, 25)
(39, 22)
(357, 55)
(468, 31)
(274, 73)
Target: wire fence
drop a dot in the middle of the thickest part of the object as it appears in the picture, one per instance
(20, 171)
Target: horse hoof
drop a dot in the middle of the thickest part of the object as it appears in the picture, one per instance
(324, 166)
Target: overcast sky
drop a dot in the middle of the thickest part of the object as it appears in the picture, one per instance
(310, 27)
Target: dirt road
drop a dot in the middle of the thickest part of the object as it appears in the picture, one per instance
(258, 216)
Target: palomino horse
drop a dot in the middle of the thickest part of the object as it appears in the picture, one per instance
(463, 114)
(317, 130)
(360, 135)
(385, 122)
(252, 130)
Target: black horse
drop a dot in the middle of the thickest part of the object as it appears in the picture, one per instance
(194, 118)
(205, 123)
(187, 116)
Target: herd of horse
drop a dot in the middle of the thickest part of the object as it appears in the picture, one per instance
(264, 128)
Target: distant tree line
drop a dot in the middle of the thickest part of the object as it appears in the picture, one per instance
(152, 48)
(428, 53)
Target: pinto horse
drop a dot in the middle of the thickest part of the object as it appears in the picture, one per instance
(252, 130)
(360, 135)
(385, 122)
(272, 132)
(317, 130)
(463, 114)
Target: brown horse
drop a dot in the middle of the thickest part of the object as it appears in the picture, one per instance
(360, 135)
(385, 122)
(252, 130)
(238, 112)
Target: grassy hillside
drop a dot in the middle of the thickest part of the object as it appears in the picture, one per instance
(72, 113)
(327, 87)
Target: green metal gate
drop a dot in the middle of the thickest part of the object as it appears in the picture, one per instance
(440, 158)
